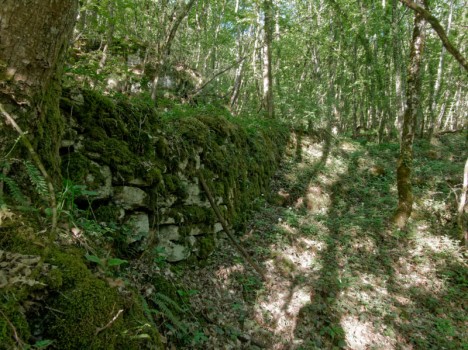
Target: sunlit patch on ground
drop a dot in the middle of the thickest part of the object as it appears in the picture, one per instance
(363, 335)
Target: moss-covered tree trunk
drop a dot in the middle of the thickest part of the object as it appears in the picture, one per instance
(405, 160)
(34, 36)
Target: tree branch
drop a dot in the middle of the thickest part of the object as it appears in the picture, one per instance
(197, 91)
(435, 24)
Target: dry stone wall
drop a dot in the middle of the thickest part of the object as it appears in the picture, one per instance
(144, 170)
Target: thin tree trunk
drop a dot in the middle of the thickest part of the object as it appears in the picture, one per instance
(164, 48)
(240, 69)
(405, 160)
(267, 59)
(435, 96)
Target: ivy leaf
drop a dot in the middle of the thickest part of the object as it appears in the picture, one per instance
(116, 262)
(93, 258)
(42, 344)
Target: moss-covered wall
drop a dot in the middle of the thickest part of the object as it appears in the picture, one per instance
(145, 168)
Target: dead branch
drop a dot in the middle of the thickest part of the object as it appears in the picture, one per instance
(226, 229)
(100, 329)
(197, 91)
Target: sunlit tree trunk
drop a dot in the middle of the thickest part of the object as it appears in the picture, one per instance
(267, 59)
(399, 98)
(405, 160)
(239, 71)
(435, 96)
(34, 36)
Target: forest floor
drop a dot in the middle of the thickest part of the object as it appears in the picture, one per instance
(338, 275)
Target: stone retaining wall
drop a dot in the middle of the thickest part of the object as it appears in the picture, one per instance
(145, 170)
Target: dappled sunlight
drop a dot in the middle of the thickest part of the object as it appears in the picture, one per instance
(441, 244)
(225, 272)
(279, 309)
(412, 272)
(363, 335)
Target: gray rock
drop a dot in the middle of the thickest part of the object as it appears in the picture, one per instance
(169, 233)
(130, 197)
(196, 231)
(174, 252)
(167, 202)
(104, 189)
(217, 227)
(183, 164)
(167, 220)
(197, 162)
(139, 224)
(66, 143)
(139, 182)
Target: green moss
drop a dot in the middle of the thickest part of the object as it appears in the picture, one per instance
(76, 167)
(196, 214)
(162, 147)
(12, 316)
(115, 154)
(83, 311)
(86, 304)
(174, 185)
(165, 287)
(108, 213)
(206, 246)
(50, 127)
(70, 263)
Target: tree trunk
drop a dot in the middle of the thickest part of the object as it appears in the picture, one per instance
(435, 96)
(267, 60)
(397, 67)
(405, 160)
(462, 212)
(34, 36)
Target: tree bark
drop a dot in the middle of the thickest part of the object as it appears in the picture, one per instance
(405, 160)
(267, 59)
(462, 213)
(34, 36)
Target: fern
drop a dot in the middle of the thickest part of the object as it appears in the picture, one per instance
(165, 299)
(15, 191)
(36, 179)
(164, 304)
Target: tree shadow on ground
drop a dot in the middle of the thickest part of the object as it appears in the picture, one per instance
(360, 245)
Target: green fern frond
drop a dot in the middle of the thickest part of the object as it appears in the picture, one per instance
(169, 301)
(36, 179)
(15, 191)
(147, 311)
(163, 302)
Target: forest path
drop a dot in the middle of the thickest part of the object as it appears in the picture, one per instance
(337, 276)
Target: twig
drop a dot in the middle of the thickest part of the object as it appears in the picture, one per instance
(15, 333)
(226, 229)
(197, 91)
(100, 329)
(37, 160)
